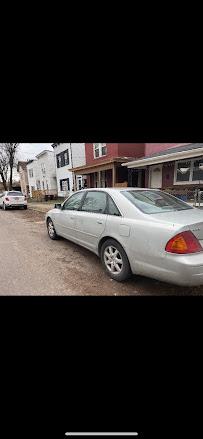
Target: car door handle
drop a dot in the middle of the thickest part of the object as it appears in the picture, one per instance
(100, 222)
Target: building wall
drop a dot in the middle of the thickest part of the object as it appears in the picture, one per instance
(78, 159)
(112, 151)
(32, 180)
(50, 171)
(131, 150)
(23, 179)
(115, 150)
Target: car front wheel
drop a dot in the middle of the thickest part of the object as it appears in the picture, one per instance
(51, 230)
(115, 260)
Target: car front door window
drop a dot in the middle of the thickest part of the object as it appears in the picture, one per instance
(74, 202)
(95, 202)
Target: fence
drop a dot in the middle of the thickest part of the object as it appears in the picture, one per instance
(183, 194)
(198, 198)
(40, 195)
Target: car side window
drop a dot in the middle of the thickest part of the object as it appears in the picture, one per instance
(112, 209)
(73, 203)
(95, 202)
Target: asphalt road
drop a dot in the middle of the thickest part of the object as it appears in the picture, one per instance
(32, 264)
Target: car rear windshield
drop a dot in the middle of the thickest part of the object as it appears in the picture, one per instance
(154, 201)
(15, 194)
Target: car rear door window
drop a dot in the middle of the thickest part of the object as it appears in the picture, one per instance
(95, 202)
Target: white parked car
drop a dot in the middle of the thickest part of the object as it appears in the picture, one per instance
(140, 231)
(10, 199)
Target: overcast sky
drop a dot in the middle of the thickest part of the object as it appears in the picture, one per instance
(29, 150)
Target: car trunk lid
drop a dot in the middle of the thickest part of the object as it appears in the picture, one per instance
(191, 219)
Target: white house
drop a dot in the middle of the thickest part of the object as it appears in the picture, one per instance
(42, 173)
(68, 156)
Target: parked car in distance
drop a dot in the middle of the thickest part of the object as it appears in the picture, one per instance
(134, 231)
(11, 199)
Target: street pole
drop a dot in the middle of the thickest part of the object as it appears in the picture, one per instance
(73, 175)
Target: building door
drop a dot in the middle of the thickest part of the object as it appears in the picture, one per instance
(156, 176)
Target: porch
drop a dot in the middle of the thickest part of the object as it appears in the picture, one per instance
(105, 174)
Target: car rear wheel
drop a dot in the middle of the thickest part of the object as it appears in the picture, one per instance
(51, 230)
(115, 260)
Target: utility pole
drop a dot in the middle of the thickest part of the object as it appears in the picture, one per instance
(73, 175)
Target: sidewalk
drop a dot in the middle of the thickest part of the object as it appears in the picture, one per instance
(41, 207)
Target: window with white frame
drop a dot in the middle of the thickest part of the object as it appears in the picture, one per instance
(43, 168)
(183, 171)
(189, 171)
(38, 185)
(100, 150)
(197, 173)
(30, 173)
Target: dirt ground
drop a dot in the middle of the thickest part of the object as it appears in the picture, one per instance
(32, 264)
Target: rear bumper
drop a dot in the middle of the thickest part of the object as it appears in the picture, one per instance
(15, 205)
(184, 270)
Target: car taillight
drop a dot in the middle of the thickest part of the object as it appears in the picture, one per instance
(7, 199)
(184, 243)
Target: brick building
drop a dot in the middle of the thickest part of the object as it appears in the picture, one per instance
(103, 163)
(178, 167)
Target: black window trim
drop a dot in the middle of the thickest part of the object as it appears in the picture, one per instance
(64, 179)
(62, 156)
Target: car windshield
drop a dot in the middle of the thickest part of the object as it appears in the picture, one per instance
(154, 201)
(15, 194)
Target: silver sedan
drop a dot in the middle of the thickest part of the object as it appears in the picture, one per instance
(134, 231)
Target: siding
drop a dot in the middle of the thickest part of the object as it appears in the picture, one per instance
(78, 157)
(50, 172)
(112, 151)
(131, 150)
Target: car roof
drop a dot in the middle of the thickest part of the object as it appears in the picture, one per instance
(119, 189)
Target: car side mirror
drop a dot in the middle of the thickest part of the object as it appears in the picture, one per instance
(57, 206)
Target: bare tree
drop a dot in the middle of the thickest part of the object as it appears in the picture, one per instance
(3, 166)
(10, 152)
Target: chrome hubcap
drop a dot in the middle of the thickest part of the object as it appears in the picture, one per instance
(51, 229)
(113, 260)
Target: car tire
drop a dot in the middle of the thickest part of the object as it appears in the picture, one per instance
(25, 207)
(4, 206)
(115, 260)
(51, 230)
